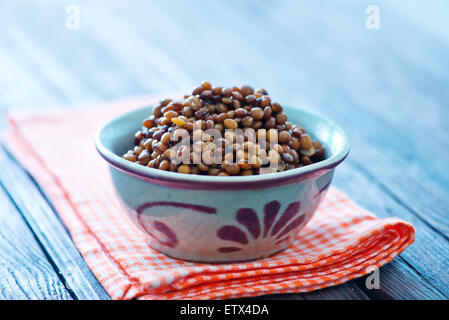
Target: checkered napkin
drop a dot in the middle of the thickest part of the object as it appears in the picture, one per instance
(340, 243)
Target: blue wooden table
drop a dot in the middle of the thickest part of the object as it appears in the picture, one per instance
(378, 68)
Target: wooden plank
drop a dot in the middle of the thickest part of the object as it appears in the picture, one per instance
(25, 271)
(350, 290)
(49, 230)
(428, 271)
(287, 296)
(346, 291)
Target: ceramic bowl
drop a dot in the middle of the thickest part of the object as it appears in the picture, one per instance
(220, 219)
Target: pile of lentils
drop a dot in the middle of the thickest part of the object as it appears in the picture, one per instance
(222, 108)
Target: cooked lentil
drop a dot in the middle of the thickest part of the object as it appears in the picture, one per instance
(222, 108)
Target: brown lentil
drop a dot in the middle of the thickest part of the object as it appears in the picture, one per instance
(230, 124)
(203, 167)
(257, 113)
(281, 118)
(284, 137)
(165, 102)
(250, 99)
(295, 144)
(237, 95)
(226, 100)
(276, 107)
(310, 152)
(295, 156)
(306, 142)
(257, 124)
(246, 90)
(241, 112)
(306, 160)
(165, 139)
(130, 157)
(164, 165)
(247, 122)
(232, 169)
(270, 123)
(138, 150)
(163, 121)
(184, 168)
(287, 157)
(266, 101)
(217, 91)
(267, 112)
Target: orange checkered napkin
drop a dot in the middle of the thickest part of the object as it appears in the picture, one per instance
(340, 243)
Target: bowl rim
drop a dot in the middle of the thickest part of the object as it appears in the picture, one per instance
(204, 182)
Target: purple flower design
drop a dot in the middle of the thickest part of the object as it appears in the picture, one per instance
(159, 231)
(271, 229)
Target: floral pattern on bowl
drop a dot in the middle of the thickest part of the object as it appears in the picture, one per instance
(248, 218)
